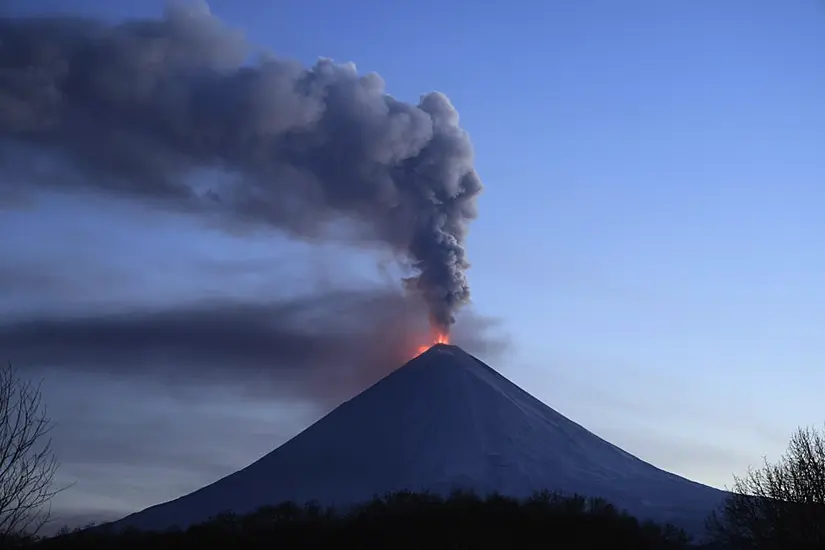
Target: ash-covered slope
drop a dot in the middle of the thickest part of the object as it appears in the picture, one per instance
(444, 420)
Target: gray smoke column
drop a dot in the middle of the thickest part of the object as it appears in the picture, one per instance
(177, 112)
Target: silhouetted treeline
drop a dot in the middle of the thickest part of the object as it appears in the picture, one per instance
(405, 520)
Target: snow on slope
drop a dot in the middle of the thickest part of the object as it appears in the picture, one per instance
(444, 420)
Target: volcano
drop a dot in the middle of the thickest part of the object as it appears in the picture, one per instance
(443, 421)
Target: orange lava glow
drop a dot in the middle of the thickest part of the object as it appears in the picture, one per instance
(440, 338)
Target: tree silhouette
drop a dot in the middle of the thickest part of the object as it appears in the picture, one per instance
(780, 505)
(27, 465)
(404, 520)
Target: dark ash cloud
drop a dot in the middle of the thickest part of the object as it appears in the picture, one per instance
(175, 112)
(326, 347)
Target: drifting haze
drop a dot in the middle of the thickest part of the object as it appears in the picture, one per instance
(325, 346)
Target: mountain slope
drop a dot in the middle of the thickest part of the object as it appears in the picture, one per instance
(444, 420)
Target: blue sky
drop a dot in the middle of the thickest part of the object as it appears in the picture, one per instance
(649, 233)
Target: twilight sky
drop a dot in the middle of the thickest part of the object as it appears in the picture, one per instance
(644, 260)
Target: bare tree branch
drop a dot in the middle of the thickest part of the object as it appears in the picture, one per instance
(27, 464)
(779, 505)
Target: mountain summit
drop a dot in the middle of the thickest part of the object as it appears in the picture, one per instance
(444, 420)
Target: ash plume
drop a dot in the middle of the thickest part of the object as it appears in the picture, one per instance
(291, 346)
(181, 112)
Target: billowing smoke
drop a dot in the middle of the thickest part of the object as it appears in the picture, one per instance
(181, 112)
